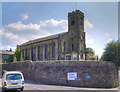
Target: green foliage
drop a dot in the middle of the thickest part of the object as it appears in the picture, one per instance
(112, 52)
(9, 59)
(93, 57)
(119, 68)
(96, 57)
(17, 53)
(0, 61)
(90, 52)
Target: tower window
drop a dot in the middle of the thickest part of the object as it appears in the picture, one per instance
(81, 18)
(81, 21)
(73, 35)
(64, 46)
(72, 47)
(73, 22)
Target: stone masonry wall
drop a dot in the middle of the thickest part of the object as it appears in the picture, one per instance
(102, 74)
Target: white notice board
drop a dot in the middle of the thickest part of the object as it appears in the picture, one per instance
(72, 76)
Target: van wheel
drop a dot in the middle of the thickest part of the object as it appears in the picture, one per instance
(21, 89)
(3, 90)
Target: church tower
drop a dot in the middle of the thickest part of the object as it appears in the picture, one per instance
(76, 34)
(76, 21)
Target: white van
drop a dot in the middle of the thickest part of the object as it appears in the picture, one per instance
(12, 80)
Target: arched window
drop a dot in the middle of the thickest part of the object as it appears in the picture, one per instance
(53, 50)
(32, 57)
(72, 47)
(82, 56)
(46, 51)
(38, 52)
(26, 54)
(72, 22)
(82, 21)
(23, 53)
(64, 46)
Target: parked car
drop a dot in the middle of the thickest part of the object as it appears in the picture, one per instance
(12, 80)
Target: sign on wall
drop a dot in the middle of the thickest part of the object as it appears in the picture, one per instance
(72, 76)
(87, 77)
(68, 57)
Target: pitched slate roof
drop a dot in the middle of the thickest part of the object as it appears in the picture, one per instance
(44, 39)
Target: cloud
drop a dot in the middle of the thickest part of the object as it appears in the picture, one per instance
(11, 47)
(51, 25)
(8, 47)
(0, 31)
(110, 40)
(88, 24)
(24, 17)
(19, 26)
(86, 35)
(99, 52)
(17, 33)
(119, 36)
(107, 34)
(89, 40)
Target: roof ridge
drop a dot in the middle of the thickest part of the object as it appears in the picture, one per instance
(43, 38)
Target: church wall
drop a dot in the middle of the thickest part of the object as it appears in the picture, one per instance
(42, 45)
(74, 41)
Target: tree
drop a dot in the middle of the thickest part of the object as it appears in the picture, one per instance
(17, 53)
(0, 61)
(89, 50)
(112, 52)
(9, 59)
(90, 54)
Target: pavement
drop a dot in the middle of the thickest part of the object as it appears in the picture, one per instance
(36, 87)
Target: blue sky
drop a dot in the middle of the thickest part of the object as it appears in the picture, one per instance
(26, 21)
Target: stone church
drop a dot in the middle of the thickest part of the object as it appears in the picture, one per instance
(65, 46)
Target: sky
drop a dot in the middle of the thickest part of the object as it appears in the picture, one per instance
(24, 21)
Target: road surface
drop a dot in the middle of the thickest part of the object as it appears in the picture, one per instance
(35, 87)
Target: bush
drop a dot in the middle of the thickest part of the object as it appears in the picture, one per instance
(112, 52)
(9, 59)
(17, 53)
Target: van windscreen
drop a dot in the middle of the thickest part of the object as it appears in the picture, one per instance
(13, 76)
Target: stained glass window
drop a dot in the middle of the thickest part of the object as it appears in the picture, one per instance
(46, 51)
(26, 54)
(53, 50)
(32, 56)
(38, 52)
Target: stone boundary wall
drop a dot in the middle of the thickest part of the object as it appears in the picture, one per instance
(102, 74)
